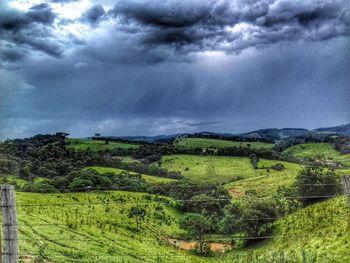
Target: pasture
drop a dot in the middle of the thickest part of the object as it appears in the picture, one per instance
(268, 183)
(316, 150)
(214, 169)
(215, 143)
(318, 233)
(96, 145)
(95, 227)
(149, 178)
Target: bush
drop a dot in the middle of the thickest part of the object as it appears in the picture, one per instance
(79, 183)
(278, 167)
(253, 219)
(316, 183)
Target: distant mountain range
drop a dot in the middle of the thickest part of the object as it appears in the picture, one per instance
(341, 130)
(266, 134)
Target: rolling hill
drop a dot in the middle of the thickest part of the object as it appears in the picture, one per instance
(316, 150)
(207, 143)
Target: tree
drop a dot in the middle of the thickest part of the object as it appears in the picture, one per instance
(199, 226)
(315, 183)
(80, 184)
(251, 218)
(203, 203)
(138, 214)
(24, 171)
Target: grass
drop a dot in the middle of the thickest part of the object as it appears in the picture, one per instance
(268, 183)
(11, 179)
(319, 231)
(212, 169)
(316, 150)
(127, 159)
(96, 145)
(95, 227)
(149, 178)
(206, 143)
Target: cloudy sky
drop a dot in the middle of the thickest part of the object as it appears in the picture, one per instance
(159, 67)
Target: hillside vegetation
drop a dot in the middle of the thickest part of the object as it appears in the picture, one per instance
(96, 145)
(206, 143)
(267, 183)
(149, 178)
(319, 232)
(316, 150)
(96, 227)
(222, 205)
(218, 169)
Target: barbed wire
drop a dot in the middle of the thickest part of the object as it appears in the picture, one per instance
(161, 185)
(67, 224)
(165, 200)
(192, 240)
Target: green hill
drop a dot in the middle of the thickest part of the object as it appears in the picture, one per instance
(267, 183)
(95, 145)
(316, 150)
(320, 232)
(95, 227)
(206, 143)
(216, 169)
(149, 178)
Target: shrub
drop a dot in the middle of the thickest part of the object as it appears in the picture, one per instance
(316, 183)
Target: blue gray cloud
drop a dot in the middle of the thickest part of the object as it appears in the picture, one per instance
(151, 67)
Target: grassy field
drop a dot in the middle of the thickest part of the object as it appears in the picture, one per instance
(268, 183)
(95, 227)
(127, 159)
(319, 231)
(95, 145)
(206, 143)
(149, 178)
(10, 179)
(314, 150)
(213, 169)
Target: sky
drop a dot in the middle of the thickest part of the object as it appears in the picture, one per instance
(148, 67)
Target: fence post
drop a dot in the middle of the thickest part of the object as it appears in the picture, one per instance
(346, 184)
(9, 224)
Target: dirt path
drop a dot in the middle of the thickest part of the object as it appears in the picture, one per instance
(188, 245)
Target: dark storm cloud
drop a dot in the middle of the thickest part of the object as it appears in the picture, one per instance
(232, 26)
(41, 13)
(303, 85)
(94, 14)
(142, 67)
(21, 32)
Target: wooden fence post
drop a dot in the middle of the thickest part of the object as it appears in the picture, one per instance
(346, 184)
(9, 224)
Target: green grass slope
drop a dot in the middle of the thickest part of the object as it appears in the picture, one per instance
(320, 232)
(149, 178)
(95, 145)
(94, 227)
(211, 169)
(206, 143)
(314, 150)
(267, 183)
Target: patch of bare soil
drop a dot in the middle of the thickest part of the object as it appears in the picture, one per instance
(189, 245)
